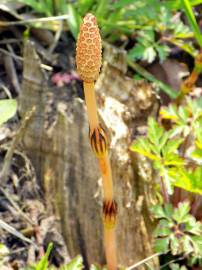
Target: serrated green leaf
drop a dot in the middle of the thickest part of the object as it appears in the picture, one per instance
(162, 245)
(75, 264)
(181, 212)
(149, 54)
(172, 146)
(190, 180)
(197, 242)
(197, 154)
(163, 52)
(162, 229)
(154, 131)
(8, 109)
(169, 112)
(142, 147)
(168, 209)
(136, 52)
(174, 245)
(158, 211)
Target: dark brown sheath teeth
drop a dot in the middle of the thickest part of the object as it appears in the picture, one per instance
(110, 210)
(98, 141)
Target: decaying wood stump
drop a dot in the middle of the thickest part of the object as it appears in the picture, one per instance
(68, 170)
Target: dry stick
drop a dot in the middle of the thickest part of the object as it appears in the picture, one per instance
(143, 261)
(88, 60)
(14, 232)
(9, 154)
(35, 20)
(15, 206)
(46, 67)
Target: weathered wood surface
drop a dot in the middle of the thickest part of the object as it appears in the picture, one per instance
(69, 171)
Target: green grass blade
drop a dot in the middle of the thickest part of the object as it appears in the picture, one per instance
(43, 263)
(190, 15)
(74, 20)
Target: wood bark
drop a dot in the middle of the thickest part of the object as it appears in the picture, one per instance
(68, 170)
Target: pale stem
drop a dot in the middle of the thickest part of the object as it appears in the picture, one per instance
(110, 248)
(91, 105)
(106, 173)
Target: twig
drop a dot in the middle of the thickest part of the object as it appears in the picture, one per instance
(56, 38)
(14, 232)
(10, 41)
(35, 20)
(143, 261)
(15, 206)
(16, 139)
(49, 68)
(6, 90)
(11, 71)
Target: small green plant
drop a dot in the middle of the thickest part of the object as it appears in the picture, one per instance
(177, 230)
(175, 153)
(174, 147)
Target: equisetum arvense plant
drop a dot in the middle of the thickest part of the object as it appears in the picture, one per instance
(88, 61)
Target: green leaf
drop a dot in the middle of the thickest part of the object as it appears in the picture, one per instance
(174, 244)
(149, 54)
(122, 3)
(75, 264)
(158, 211)
(102, 8)
(74, 20)
(163, 52)
(8, 109)
(142, 147)
(197, 242)
(181, 212)
(192, 21)
(40, 7)
(175, 266)
(168, 209)
(43, 263)
(197, 154)
(190, 180)
(84, 6)
(154, 132)
(136, 52)
(172, 146)
(162, 229)
(162, 245)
